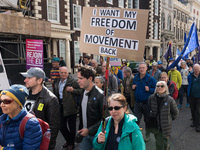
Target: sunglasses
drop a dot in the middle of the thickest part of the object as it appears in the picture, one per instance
(162, 86)
(115, 108)
(6, 101)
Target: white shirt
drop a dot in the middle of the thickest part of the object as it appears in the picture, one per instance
(84, 109)
(184, 75)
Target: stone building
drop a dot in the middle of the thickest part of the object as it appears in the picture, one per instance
(181, 23)
(167, 30)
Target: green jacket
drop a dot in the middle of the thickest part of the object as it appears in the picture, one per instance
(129, 127)
(174, 75)
(69, 104)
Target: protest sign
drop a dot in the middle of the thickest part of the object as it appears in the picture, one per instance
(4, 84)
(34, 53)
(114, 61)
(114, 32)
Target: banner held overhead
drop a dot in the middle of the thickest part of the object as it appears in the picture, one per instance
(114, 32)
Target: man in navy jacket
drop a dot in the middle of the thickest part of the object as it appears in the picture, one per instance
(144, 85)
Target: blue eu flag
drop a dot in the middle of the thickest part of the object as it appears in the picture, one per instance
(190, 45)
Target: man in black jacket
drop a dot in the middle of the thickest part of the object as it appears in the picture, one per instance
(44, 103)
(91, 108)
(67, 91)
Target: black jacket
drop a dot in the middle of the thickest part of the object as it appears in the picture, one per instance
(47, 108)
(94, 110)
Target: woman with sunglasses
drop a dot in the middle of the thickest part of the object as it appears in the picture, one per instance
(121, 132)
(163, 110)
(12, 101)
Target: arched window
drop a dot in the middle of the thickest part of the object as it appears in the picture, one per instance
(163, 21)
(169, 23)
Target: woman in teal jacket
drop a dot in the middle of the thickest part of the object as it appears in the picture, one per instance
(122, 132)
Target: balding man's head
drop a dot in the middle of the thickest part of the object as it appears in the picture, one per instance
(63, 73)
(94, 63)
(196, 69)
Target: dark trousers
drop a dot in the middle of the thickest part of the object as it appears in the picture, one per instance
(162, 142)
(68, 126)
(139, 109)
(128, 99)
(183, 90)
(195, 110)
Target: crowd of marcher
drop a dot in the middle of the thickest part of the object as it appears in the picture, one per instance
(153, 92)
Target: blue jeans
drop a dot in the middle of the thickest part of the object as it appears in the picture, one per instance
(86, 143)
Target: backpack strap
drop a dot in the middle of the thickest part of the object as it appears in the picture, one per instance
(23, 124)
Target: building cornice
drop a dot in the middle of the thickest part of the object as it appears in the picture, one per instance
(180, 6)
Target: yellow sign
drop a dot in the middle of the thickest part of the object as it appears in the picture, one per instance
(22, 4)
(40, 107)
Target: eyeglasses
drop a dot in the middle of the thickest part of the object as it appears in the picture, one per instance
(162, 86)
(115, 108)
(6, 101)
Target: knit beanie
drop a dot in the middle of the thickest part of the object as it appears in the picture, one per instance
(17, 92)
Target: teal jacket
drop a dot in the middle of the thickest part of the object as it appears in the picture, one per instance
(125, 142)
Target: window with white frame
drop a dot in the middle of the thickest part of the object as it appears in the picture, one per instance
(77, 53)
(97, 58)
(77, 16)
(155, 30)
(156, 7)
(136, 4)
(170, 2)
(169, 23)
(177, 35)
(174, 13)
(181, 35)
(121, 3)
(163, 21)
(130, 3)
(53, 10)
(62, 47)
(109, 1)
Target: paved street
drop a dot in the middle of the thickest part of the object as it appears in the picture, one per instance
(183, 136)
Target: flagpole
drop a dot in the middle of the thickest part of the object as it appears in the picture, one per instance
(105, 94)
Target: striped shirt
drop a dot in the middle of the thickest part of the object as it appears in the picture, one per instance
(55, 73)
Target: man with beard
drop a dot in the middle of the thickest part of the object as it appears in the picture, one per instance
(45, 103)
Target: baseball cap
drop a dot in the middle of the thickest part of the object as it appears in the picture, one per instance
(154, 64)
(34, 72)
(55, 59)
(159, 62)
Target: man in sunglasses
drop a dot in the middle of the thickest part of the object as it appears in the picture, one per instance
(91, 107)
(144, 85)
(45, 105)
